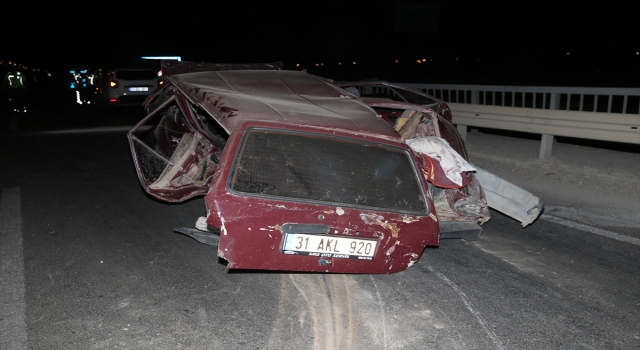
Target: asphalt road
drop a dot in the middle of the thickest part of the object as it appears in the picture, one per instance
(88, 261)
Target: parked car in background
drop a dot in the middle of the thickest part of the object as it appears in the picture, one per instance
(301, 175)
(130, 86)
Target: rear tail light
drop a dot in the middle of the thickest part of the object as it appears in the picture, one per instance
(113, 100)
(113, 84)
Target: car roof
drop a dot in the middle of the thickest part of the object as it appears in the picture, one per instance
(287, 97)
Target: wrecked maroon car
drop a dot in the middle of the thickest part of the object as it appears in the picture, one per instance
(299, 174)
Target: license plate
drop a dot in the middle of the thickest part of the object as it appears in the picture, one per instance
(138, 89)
(329, 246)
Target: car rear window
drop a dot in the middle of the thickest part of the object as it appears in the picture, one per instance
(136, 75)
(335, 170)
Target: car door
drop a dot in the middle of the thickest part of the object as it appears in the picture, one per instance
(174, 155)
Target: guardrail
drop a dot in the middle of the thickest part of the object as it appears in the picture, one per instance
(549, 123)
(580, 99)
(608, 114)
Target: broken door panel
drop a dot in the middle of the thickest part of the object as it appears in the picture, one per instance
(174, 162)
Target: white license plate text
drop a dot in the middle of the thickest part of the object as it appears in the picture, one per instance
(329, 246)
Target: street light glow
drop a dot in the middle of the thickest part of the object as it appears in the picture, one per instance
(175, 58)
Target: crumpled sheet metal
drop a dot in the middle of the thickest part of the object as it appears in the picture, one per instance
(508, 198)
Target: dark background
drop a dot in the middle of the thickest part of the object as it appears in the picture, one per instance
(466, 42)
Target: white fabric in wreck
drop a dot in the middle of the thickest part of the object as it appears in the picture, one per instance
(439, 149)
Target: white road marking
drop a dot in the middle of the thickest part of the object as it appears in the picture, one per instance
(467, 303)
(384, 322)
(13, 327)
(590, 229)
(92, 130)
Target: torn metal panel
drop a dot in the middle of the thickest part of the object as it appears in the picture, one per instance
(462, 202)
(179, 161)
(473, 201)
(508, 198)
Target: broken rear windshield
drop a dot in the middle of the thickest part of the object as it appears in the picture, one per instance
(335, 170)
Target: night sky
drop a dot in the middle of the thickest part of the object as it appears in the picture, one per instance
(494, 42)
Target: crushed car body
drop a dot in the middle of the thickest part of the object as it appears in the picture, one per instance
(299, 174)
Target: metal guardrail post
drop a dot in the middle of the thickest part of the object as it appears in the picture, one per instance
(554, 101)
(546, 145)
(616, 127)
(475, 97)
(462, 130)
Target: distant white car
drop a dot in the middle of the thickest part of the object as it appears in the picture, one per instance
(130, 86)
